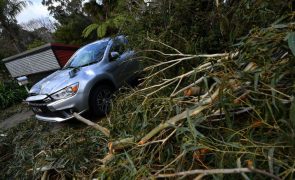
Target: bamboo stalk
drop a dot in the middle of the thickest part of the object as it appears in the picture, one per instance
(108, 158)
(120, 144)
(192, 91)
(179, 117)
(104, 130)
(45, 175)
(218, 171)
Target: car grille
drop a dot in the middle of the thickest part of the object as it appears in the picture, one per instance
(40, 106)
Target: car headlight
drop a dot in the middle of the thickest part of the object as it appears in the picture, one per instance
(66, 92)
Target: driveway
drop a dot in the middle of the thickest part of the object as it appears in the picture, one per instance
(15, 119)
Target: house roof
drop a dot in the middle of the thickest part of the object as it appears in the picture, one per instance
(36, 50)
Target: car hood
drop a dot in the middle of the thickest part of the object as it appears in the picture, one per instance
(52, 83)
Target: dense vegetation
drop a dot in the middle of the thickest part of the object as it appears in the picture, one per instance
(238, 54)
(11, 93)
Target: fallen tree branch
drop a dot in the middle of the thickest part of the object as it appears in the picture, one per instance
(104, 130)
(218, 171)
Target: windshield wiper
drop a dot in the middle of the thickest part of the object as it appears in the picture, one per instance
(69, 67)
(89, 64)
(77, 67)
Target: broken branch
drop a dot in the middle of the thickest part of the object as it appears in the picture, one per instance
(104, 130)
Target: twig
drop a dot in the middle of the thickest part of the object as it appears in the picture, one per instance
(175, 61)
(166, 54)
(188, 57)
(179, 156)
(199, 177)
(159, 141)
(104, 130)
(264, 173)
(170, 47)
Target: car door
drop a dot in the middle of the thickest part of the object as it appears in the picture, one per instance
(121, 67)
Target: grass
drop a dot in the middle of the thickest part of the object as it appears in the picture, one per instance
(34, 144)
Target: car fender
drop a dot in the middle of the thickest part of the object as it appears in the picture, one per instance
(99, 79)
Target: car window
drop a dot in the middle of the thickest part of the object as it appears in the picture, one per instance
(88, 54)
(119, 45)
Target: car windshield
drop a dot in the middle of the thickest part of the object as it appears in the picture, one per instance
(88, 54)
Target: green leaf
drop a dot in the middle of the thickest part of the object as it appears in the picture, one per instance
(102, 30)
(206, 84)
(256, 80)
(273, 92)
(191, 126)
(292, 113)
(224, 25)
(291, 42)
(270, 159)
(89, 29)
(119, 20)
(133, 168)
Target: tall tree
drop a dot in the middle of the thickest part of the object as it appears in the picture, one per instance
(63, 9)
(8, 11)
(71, 20)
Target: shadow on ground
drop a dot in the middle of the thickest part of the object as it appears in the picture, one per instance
(25, 114)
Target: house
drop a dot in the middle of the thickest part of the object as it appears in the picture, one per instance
(39, 61)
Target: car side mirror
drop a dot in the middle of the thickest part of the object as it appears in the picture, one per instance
(114, 55)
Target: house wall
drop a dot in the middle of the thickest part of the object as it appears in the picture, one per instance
(41, 62)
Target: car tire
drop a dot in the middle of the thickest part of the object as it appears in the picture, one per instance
(101, 100)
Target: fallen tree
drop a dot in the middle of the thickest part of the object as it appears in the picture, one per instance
(225, 87)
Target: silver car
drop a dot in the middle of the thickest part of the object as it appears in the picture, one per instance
(86, 82)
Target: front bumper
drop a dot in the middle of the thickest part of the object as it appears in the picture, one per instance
(56, 111)
(55, 119)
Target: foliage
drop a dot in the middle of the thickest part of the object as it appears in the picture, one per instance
(243, 115)
(70, 33)
(249, 120)
(11, 93)
(8, 11)
(107, 28)
(110, 18)
(23, 148)
(71, 21)
(63, 9)
(36, 43)
(198, 26)
(248, 124)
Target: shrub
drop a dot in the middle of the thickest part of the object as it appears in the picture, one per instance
(11, 93)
